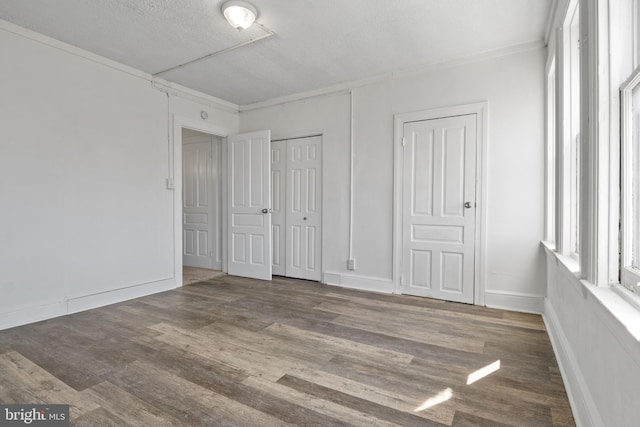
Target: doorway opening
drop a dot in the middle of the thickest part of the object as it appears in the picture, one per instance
(201, 205)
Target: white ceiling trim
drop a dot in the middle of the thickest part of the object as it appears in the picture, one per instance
(194, 95)
(345, 87)
(73, 50)
(158, 83)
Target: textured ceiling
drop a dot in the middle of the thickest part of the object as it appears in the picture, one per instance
(317, 43)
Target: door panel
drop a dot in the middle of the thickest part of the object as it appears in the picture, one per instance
(278, 197)
(296, 166)
(250, 193)
(303, 216)
(439, 168)
(198, 205)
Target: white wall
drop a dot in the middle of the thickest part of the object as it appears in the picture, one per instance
(513, 87)
(595, 332)
(328, 115)
(598, 356)
(86, 216)
(86, 147)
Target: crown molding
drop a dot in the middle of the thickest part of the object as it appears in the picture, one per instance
(347, 86)
(157, 83)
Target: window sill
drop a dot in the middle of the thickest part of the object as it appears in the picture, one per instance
(619, 308)
(631, 298)
(569, 263)
(624, 309)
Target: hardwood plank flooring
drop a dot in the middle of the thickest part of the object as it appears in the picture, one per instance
(239, 352)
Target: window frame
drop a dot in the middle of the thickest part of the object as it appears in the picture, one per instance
(568, 120)
(550, 154)
(629, 276)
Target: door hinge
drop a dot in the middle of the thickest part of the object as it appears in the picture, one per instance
(401, 279)
(404, 141)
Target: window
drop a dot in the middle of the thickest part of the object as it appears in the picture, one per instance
(630, 197)
(569, 153)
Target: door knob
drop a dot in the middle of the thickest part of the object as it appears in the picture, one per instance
(467, 205)
(304, 218)
(265, 210)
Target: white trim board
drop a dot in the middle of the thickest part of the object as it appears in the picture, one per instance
(86, 302)
(582, 403)
(156, 82)
(348, 86)
(514, 301)
(353, 281)
(481, 109)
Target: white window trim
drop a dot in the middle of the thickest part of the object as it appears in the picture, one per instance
(550, 151)
(629, 276)
(564, 136)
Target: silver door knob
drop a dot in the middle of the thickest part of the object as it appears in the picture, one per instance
(265, 210)
(467, 205)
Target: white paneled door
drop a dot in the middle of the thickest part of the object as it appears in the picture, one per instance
(438, 205)
(297, 207)
(198, 205)
(249, 235)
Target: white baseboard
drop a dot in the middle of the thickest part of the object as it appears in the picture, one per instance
(583, 406)
(353, 281)
(87, 302)
(32, 314)
(513, 301)
(81, 303)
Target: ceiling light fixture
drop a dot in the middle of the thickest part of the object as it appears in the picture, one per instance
(239, 14)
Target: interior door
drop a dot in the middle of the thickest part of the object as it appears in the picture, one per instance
(303, 216)
(438, 204)
(197, 205)
(249, 193)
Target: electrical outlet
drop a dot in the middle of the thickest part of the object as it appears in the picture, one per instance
(351, 264)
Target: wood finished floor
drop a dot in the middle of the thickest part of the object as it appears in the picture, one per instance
(240, 352)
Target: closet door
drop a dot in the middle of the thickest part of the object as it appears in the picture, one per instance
(296, 177)
(278, 204)
(304, 215)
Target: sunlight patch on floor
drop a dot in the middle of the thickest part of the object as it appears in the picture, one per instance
(443, 396)
(483, 372)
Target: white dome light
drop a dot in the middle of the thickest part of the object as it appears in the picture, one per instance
(240, 14)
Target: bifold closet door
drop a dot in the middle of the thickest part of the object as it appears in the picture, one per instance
(278, 204)
(297, 207)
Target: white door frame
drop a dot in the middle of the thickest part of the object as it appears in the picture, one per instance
(175, 182)
(481, 110)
